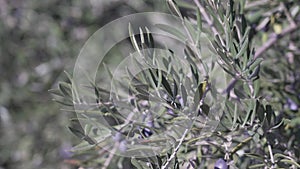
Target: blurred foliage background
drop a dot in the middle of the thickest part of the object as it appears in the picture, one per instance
(39, 40)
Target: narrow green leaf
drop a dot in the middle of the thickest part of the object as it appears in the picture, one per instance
(154, 81)
(249, 112)
(63, 102)
(74, 87)
(132, 38)
(68, 76)
(242, 6)
(191, 30)
(183, 94)
(256, 87)
(286, 159)
(174, 8)
(292, 162)
(199, 20)
(221, 11)
(219, 42)
(88, 128)
(205, 109)
(255, 73)
(56, 92)
(245, 61)
(108, 71)
(247, 89)
(82, 147)
(150, 39)
(241, 145)
(278, 125)
(243, 49)
(258, 165)
(252, 65)
(216, 21)
(136, 163)
(235, 115)
(65, 88)
(186, 4)
(227, 34)
(195, 73)
(215, 45)
(77, 133)
(172, 31)
(190, 50)
(166, 85)
(233, 48)
(256, 156)
(243, 23)
(224, 57)
(142, 35)
(175, 89)
(246, 35)
(261, 112)
(142, 89)
(239, 93)
(227, 69)
(253, 115)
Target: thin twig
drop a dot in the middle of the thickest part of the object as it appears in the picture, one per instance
(274, 38)
(176, 150)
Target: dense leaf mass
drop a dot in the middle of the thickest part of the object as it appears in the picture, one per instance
(222, 91)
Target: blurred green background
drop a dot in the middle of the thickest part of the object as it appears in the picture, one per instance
(39, 40)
